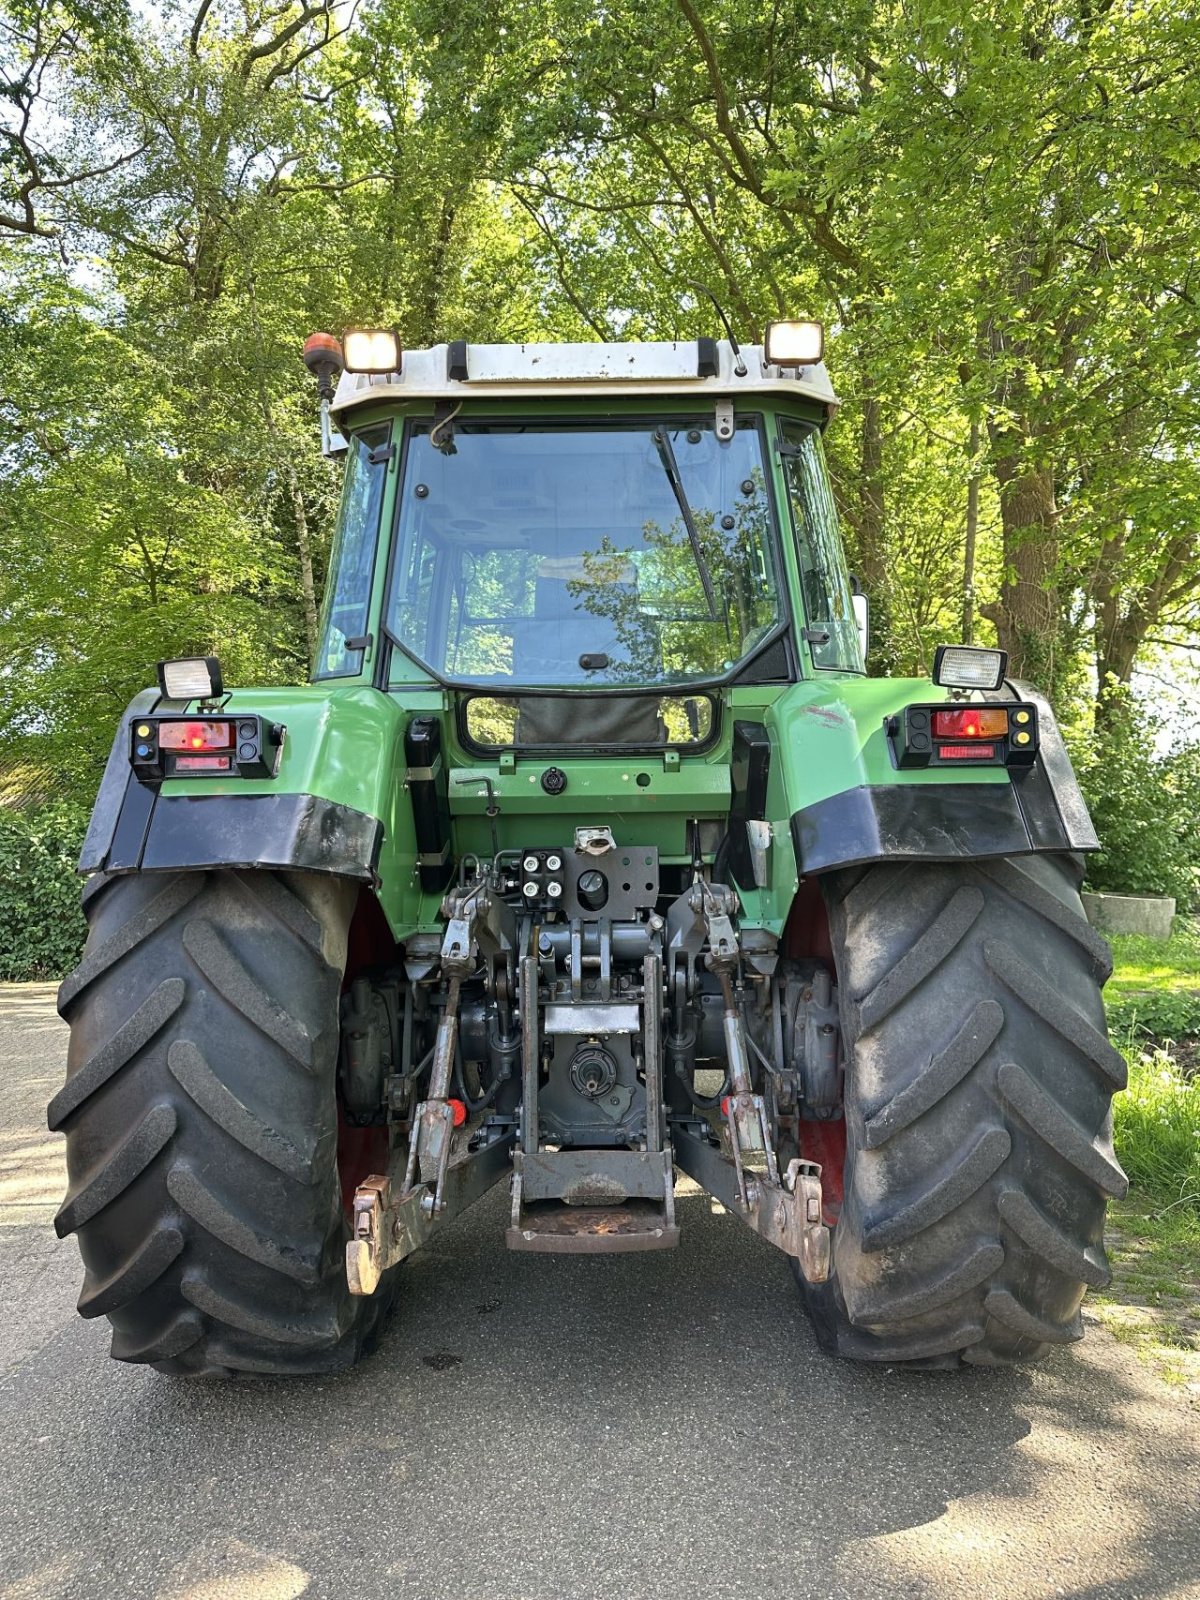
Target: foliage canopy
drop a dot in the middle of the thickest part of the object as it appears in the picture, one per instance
(994, 207)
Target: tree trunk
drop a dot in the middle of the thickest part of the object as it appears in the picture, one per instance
(872, 558)
(971, 537)
(1027, 614)
(1125, 611)
(308, 592)
(435, 291)
(1117, 640)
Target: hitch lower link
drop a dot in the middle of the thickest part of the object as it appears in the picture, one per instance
(390, 1219)
(787, 1210)
(789, 1216)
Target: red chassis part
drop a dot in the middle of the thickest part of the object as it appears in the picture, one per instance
(362, 1152)
(806, 937)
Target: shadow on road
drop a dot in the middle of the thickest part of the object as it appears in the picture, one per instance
(534, 1428)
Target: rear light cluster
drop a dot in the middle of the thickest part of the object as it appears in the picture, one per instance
(195, 735)
(188, 747)
(980, 735)
(980, 722)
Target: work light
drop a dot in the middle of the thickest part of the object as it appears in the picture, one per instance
(191, 678)
(371, 350)
(963, 666)
(794, 344)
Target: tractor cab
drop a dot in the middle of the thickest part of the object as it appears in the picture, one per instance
(598, 537)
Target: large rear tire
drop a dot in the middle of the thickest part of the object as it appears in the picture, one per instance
(200, 1111)
(979, 1080)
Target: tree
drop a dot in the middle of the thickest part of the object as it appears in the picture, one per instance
(991, 207)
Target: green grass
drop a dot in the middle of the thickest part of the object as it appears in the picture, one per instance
(1157, 1132)
(1153, 1003)
(1153, 1302)
(1154, 1234)
(1154, 992)
(1173, 963)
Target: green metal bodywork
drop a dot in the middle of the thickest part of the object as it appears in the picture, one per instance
(345, 743)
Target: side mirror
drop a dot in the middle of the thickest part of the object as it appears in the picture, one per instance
(862, 621)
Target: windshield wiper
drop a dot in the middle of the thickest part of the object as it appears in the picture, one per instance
(666, 450)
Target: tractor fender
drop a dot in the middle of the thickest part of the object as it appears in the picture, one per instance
(328, 809)
(869, 811)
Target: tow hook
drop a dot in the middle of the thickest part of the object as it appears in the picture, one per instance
(392, 1215)
(803, 1181)
(789, 1217)
(364, 1250)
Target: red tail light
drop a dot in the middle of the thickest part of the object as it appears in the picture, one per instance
(195, 736)
(971, 722)
(966, 752)
(202, 764)
(458, 1112)
(931, 736)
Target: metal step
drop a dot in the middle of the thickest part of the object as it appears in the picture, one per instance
(592, 1201)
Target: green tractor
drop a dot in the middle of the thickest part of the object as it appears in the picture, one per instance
(590, 855)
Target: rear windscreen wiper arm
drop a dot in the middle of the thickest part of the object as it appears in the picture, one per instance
(666, 450)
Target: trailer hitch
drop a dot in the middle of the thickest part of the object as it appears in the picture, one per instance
(785, 1210)
(787, 1214)
(438, 1175)
(389, 1221)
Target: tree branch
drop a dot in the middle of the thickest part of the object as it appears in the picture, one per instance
(198, 27)
(721, 97)
(272, 46)
(598, 328)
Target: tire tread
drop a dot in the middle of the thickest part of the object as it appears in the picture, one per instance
(201, 1122)
(97, 960)
(935, 1081)
(234, 982)
(1056, 1012)
(191, 1071)
(924, 958)
(978, 1085)
(132, 1276)
(126, 1162)
(153, 1014)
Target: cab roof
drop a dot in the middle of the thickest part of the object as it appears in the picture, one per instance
(694, 367)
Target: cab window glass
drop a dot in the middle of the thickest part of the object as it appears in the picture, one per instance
(824, 580)
(584, 554)
(344, 614)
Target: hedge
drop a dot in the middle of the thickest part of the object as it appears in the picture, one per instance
(41, 924)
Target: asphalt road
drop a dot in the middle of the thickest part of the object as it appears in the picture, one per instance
(542, 1429)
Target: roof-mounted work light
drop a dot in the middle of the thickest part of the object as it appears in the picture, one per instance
(794, 344)
(374, 350)
(964, 666)
(191, 678)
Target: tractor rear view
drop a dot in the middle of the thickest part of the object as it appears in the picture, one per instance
(589, 856)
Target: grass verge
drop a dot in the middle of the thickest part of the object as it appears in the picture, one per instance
(1154, 992)
(1153, 1302)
